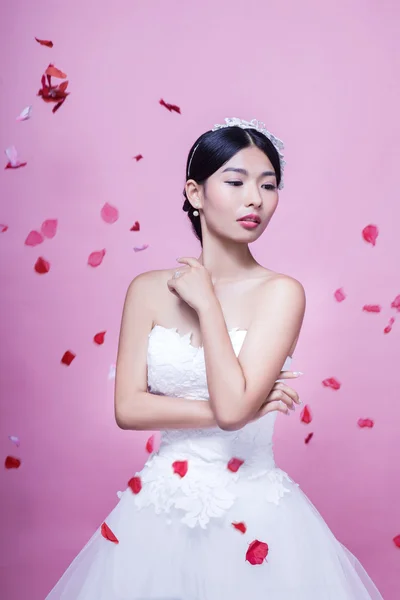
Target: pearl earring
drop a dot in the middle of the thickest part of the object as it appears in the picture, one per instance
(196, 212)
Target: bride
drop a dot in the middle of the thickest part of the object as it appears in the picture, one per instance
(202, 356)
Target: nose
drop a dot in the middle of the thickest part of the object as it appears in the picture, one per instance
(254, 196)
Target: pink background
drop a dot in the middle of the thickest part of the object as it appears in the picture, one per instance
(325, 80)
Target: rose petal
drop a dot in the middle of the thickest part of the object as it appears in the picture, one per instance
(388, 327)
(180, 467)
(308, 438)
(240, 527)
(305, 415)
(340, 295)
(396, 540)
(47, 43)
(96, 258)
(138, 157)
(52, 71)
(234, 464)
(68, 357)
(12, 463)
(3, 228)
(25, 114)
(396, 303)
(332, 383)
(34, 238)
(365, 423)
(135, 484)
(99, 338)
(135, 226)
(108, 534)
(49, 228)
(42, 266)
(109, 213)
(370, 234)
(257, 552)
(373, 308)
(150, 444)
(170, 106)
(14, 439)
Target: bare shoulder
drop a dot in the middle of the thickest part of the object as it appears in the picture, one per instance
(280, 286)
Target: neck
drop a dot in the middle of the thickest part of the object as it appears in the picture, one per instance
(228, 261)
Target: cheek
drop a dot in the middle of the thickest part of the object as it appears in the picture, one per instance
(220, 199)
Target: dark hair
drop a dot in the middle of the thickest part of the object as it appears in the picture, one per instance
(213, 149)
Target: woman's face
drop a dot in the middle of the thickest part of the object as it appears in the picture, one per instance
(245, 184)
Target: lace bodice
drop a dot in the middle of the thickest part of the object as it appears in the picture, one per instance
(218, 464)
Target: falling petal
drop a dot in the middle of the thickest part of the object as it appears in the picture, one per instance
(372, 308)
(12, 463)
(150, 444)
(52, 71)
(396, 540)
(180, 467)
(138, 157)
(332, 383)
(67, 358)
(370, 234)
(49, 228)
(14, 439)
(135, 484)
(42, 266)
(365, 423)
(13, 160)
(340, 295)
(135, 226)
(234, 464)
(257, 552)
(109, 213)
(139, 248)
(388, 327)
(96, 258)
(305, 415)
(25, 114)
(396, 303)
(3, 228)
(240, 527)
(34, 238)
(111, 372)
(308, 438)
(99, 338)
(47, 43)
(170, 107)
(108, 534)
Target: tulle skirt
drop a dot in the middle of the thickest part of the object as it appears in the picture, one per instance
(256, 549)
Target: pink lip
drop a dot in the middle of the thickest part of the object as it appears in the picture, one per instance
(248, 224)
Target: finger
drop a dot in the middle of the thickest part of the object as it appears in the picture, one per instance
(276, 405)
(280, 395)
(289, 391)
(289, 375)
(189, 260)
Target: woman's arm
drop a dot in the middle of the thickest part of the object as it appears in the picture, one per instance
(239, 385)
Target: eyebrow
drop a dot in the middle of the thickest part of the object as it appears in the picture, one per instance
(244, 172)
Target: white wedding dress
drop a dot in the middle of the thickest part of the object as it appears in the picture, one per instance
(175, 532)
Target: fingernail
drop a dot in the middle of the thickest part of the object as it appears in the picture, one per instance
(297, 373)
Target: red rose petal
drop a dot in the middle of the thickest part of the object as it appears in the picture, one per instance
(340, 295)
(396, 303)
(150, 444)
(305, 415)
(52, 71)
(308, 438)
(99, 338)
(365, 423)
(96, 258)
(373, 308)
(138, 157)
(12, 463)
(332, 383)
(3, 228)
(42, 266)
(135, 483)
(388, 327)
(180, 467)
(68, 357)
(109, 213)
(370, 234)
(234, 464)
(257, 552)
(135, 226)
(170, 106)
(34, 238)
(240, 527)
(47, 43)
(396, 540)
(108, 534)
(49, 228)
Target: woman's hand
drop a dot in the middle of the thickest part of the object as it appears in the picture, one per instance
(281, 398)
(194, 284)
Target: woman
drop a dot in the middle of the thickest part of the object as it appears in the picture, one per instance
(210, 516)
